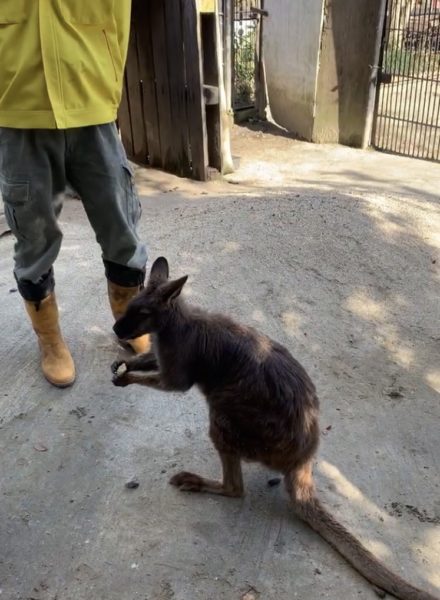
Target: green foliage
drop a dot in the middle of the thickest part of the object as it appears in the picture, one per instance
(407, 62)
(244, 65)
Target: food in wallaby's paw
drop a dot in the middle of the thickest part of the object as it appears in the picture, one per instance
(121, 370)
(263, 407)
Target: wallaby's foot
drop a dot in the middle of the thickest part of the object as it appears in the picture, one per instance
(190, 482)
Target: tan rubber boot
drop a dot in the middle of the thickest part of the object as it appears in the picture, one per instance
(56, 361)
(119, 297)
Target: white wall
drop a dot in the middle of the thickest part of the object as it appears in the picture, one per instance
(291, 41)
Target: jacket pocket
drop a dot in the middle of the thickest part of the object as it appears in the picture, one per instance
(88, 12)
(12, 11)
(110, 53)
(16, 200)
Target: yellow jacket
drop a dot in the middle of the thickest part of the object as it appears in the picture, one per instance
(61, 61)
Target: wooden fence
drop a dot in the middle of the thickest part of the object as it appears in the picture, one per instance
(173, 113)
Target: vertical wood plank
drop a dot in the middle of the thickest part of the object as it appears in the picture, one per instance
(148, 81)
(211, 77)
(218, 117)
(168, 153)
(195, 100)
(139, 138)
(225, 110)
(124, 121)
(177, 86)
(228, 23)
(261, 98)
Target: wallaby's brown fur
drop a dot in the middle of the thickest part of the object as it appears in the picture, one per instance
(262, 406)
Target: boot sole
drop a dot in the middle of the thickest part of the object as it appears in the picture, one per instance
(61, 385)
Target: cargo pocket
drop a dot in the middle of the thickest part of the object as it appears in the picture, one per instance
(15, 196)
(133, 205)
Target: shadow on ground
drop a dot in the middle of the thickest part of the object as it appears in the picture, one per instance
(349, 282)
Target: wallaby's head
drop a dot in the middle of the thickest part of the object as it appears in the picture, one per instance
(151, 309)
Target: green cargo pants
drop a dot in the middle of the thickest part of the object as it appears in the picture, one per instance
(36, 165)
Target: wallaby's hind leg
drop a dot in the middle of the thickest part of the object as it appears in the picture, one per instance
(232, 484)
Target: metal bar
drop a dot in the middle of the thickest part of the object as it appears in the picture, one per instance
(386, 92)
(398, 135)
(423, 106)
(374, 85)
(408, 77)
(428, 92)
(380, 123)
(259, 11)
(414, 97)
(406, 154)
(437, 145)
(227, 50)
(395, 64)
(405, 92)
(436, 118)
(420, 123)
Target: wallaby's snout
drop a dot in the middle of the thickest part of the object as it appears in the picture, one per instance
(122, 328)
(148, 311)
(135, 322)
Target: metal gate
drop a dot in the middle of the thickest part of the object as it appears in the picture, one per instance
(407, 115)
(246, 52)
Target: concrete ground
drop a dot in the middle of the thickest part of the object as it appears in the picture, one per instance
(332, 251)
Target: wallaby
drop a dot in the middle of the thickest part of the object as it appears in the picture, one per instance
(262, 406)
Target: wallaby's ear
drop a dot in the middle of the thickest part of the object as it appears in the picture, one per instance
(160, 270)
(171, 289)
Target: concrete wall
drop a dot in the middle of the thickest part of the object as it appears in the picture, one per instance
(319, 56)
(350, 44)
(291, 40)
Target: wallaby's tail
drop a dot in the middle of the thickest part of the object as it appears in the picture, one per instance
(313, 513)
(310, 510)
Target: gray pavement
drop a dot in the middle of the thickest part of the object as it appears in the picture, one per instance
(345, 272)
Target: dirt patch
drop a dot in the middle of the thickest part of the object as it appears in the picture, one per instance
(397, 509)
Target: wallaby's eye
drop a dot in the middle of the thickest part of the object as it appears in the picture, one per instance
(145, 312)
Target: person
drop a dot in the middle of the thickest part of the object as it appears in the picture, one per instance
(61, 74)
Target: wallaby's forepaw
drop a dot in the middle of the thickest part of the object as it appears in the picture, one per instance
(120, 381)
(120, 369)
(187, 482)
(118, 366)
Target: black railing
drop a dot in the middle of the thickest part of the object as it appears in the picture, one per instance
(407, 119)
